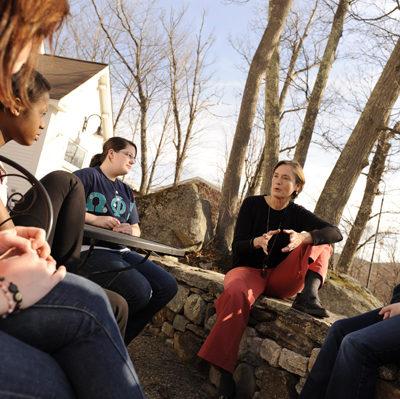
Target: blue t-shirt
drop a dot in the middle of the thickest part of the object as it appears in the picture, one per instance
(105, 197)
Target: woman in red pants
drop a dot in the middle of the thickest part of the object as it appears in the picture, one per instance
(280, 249)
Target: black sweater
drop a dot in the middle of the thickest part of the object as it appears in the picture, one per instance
(252, 223)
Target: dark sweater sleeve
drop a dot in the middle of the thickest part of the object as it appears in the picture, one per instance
(321, 231)
(243, 240)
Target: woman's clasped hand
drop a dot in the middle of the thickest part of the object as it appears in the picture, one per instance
(295, 239)
(26, 261)
(263, 241)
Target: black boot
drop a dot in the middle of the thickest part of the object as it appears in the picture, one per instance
(308, 300)
(227, 386)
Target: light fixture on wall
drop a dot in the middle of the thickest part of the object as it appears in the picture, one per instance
(98, 131)
(85, 123)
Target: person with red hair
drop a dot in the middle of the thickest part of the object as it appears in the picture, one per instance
(54, 324)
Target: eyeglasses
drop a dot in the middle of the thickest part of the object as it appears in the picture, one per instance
(129, 155)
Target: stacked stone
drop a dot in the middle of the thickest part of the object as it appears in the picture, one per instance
(277, 351)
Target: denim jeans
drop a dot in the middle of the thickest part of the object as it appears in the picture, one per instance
(147, 288)
(67, 197)
(26, 372)
(346, 367)
(66, 346)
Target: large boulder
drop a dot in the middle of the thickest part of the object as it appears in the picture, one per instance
(342, 294)
(182, 216)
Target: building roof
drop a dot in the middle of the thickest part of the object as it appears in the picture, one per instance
(66, 74)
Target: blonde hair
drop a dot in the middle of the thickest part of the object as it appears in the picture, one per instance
(298, 173)
(23, 22)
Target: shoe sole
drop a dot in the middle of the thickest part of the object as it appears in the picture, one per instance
(321, 315)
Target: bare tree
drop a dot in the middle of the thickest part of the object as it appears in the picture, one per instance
(272, 121)
(275, 101)
(254, 180)
(82, 37)
(187, 83)
(137, 49)
(297, 47)
(252, 163)
(371, 188)
(258, 67)
(353, 158)
(320, 82)
(160, 145)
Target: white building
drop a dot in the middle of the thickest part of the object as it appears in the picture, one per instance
(80, 102)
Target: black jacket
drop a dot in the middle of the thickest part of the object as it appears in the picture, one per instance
(256, 218)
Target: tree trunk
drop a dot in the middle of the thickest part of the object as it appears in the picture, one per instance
(178, 171)
(124, 103)
(258, 67)
(371, 188)
(293, 59)
(255, 182)
(320, 83)
(352, 159)
(271, 146)
(144, 184)
(272, 122)
(160, 146)
(194, 87)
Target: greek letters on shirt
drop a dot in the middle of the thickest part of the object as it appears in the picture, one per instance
(104, 197)
(96, 202)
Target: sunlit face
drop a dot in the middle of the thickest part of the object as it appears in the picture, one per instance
(123, 160)
(22, 57)
(284, 182)
(25, 125)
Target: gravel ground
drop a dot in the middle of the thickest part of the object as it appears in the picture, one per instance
(162, 374)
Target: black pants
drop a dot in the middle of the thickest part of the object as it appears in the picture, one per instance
(67, 196)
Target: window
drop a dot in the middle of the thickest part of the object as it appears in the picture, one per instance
(75, 154)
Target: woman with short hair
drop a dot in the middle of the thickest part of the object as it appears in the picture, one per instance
(280, 249)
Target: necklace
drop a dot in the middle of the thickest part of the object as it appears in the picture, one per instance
(114, 183)
(117, 197)
(273, 241)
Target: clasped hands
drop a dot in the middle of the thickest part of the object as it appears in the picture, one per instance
(25, 260)
(295, 239)
(112, 223)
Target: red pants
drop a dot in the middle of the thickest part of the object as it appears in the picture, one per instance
(242, 287)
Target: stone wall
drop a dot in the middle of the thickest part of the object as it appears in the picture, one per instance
(278, 348)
